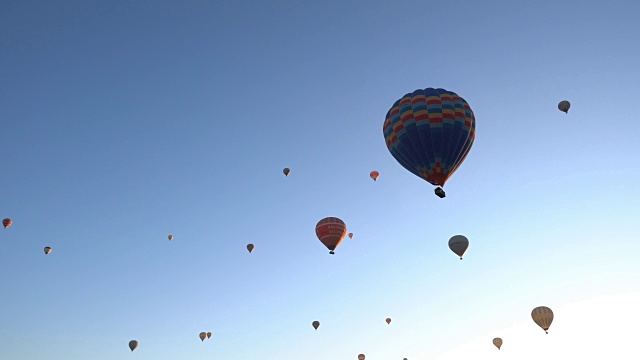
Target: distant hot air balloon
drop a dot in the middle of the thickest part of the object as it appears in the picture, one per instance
(203, 335)
(430, 132)
(543, 316)
(209, 335)
(361, 357)
(286, 171)
(388, 321)
(170, 237)
(315, 324)
(374, 175)
(497, 342)
(564, 106)
(350, 235)
(7, 222)
(47, 250)
(250, 247)
(133, 345)
(459, 244)
(331, 232)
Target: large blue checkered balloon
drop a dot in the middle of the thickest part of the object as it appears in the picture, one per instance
(430, 132)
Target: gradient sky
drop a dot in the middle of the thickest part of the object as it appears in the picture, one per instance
(126, 121)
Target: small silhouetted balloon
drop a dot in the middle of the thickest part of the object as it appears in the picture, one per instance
(133, 344)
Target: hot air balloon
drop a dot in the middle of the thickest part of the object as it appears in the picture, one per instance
(286, 171)
(203, 335)
(133, 345)
(315, 324)
(350, 235)
(430, 132)
(250, 247)
(564, 106)
(459, 244)
(331, 232)
(209, 335)
(374, 175)
(361, 357)
(7, 222)
(543, 316)
(388, 321)
(497, 342)
(170, 237)
(47, 250)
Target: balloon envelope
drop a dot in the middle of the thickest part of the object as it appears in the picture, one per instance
(374, 175)
(286, 171)
(497, 342)
(388, 320)
(209, 335)
(7, 222)
(315, 324)
(564, 106)
(133, 345)
(361, 357)
(47, 250)
(459, 244)
(250, 247)
(543, 316)
(202, 335)
(170, 237)
(331, 232)
(430, 132)
(350, 235)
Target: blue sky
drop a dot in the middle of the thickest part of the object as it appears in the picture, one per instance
(123, 122)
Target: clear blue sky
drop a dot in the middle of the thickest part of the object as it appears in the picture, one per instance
(126, 121)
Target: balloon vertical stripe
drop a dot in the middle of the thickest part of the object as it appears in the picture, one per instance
(543, 316)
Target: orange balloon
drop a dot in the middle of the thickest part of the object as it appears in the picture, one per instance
(374, 175)
(350, 235)
(388, 321)
(331, 232)
(6, 222)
